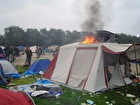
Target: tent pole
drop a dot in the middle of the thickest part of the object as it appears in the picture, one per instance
(136, 67)
(136, 59)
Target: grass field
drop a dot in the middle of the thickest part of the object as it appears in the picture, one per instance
(74, 97)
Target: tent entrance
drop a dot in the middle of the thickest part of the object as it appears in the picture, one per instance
(81, 66)
(116, 75)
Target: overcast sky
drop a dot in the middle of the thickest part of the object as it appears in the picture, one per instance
(120, 16)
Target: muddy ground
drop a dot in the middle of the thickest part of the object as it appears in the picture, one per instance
(20, 61)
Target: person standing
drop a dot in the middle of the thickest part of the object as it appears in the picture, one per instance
(28, 52)
(7, 52)
(38, 51)
(11, 54)
(1, 51)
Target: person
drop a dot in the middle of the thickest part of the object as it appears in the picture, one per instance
(1, 51)
(11, 54)
(17, 50)
(43, 50)
(7, 52)
(55, 51)
(28, 52)
(38, 51)
(6, 81)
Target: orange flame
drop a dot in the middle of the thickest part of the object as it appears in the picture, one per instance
(89, 40)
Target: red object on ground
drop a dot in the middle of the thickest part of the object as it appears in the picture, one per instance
(8, 97)
(136, 80)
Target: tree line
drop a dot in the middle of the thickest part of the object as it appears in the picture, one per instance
(14, 35)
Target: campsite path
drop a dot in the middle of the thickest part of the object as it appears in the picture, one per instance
(20, 61)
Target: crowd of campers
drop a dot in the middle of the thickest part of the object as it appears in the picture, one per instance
(40, 50)
(10, 52)
(53, 49)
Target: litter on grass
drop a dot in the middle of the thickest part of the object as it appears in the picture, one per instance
(130, 95)
(135, 102)
(42, 88)
(90, 102)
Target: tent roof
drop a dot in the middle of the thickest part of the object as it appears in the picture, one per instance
(8, 68)
(40, 65)
(107, 47)
(37, 66)
(113, 48)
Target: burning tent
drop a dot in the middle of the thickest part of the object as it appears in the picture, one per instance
(106, 36)
(86, 66)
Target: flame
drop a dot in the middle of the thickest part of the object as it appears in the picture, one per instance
(89, 40)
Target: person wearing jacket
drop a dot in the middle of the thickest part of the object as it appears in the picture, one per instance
(28, 52)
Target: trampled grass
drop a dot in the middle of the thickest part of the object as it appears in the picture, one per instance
(75, 97)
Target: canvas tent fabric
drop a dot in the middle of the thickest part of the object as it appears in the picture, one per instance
(1, 56)
(83, 66)
(9, 97)
(8, 68)
(2, 77)
(33, 48)
(38, 65)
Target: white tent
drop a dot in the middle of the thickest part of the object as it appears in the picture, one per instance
(33, 48)
(2, 47)
(83, 66)
(8, 68)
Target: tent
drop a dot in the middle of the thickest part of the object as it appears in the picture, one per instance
(33, 48)
(9, 97)
(8, 68)
(2, 47)
(21, 48)
(86, 66)
(2, 77)
(38, 65)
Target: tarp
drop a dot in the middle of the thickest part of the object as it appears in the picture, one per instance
(43, 88)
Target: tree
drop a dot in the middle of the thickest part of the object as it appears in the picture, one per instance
(45, 37)
(14, 35)
(56, 36)
(34, 38)
(127, 39)
(2, 40)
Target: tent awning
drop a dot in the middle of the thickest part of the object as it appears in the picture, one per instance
(115, 48)
(132, 50)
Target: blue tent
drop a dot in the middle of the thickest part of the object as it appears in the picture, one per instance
(37, 66)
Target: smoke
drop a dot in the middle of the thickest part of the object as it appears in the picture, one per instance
(96, 18)
(93, 21)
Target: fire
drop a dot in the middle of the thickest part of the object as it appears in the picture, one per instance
(89, 40)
